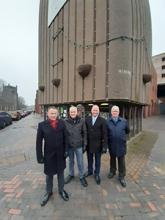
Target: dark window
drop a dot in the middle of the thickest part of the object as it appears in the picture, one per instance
(163, 67)
(163, 75)
(163, 58)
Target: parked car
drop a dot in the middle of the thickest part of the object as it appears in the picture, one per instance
(7, 118)
(15, 115)
(22, 113)
(2, 122)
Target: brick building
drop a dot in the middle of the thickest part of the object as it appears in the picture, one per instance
(159, 64)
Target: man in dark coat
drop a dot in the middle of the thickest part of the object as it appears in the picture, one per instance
(96, 141)
(76, 129)
(54, 134)
(117, 130)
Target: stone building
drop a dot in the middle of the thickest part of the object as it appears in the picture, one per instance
(96, 51)
(8, 98)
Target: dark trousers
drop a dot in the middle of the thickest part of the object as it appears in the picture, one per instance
(90, 157)
(49, 182)
(121, 165)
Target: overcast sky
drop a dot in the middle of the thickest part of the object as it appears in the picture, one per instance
(19, 42)
(19, 45)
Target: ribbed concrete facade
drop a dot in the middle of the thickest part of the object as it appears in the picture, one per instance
(112, 36)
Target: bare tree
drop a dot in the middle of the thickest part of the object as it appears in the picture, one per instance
(2, 82)
(21, 102)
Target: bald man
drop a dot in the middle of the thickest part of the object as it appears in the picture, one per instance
(96, 141)
(117, 130)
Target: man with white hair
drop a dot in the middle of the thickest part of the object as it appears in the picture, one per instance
(77, 144)
(117, 130)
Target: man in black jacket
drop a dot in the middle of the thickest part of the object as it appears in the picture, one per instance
(54, 134)
(76, 129)
(96, 141)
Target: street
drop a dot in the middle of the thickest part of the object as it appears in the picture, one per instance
(22, 180)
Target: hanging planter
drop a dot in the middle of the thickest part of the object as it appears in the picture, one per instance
(146, 78)
(41, 88)
(56, 82)
(84, 70)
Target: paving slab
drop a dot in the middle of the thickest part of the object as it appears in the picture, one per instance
(22, 181)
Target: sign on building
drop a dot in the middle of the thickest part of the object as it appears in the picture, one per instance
(54, 7)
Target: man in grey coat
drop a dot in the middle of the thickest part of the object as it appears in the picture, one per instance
(76, 129)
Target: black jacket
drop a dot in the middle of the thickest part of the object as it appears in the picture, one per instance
(55, 144)
(96, 134)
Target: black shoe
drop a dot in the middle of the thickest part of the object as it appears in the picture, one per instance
(97, 179)
(111, 175)
(68, 179)
(84, 182)
(122, 182)
(64, 195)
(88, 174)
(45, 198)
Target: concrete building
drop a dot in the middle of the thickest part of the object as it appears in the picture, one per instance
(159, 64)
(96, 52)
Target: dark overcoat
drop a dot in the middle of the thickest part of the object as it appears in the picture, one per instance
(117, 136)
(96, 134)
(53, 150)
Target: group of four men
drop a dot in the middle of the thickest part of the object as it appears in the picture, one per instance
(72, 137)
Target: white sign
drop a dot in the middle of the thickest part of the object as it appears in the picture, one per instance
(54, 7)
(125, 71)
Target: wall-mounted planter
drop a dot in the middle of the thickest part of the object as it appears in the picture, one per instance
(56, 82)
(41, 88)
(84, 70)
(146, 78)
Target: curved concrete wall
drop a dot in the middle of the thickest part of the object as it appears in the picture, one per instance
(113, 36)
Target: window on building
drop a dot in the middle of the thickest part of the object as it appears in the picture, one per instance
(163, 75)
(163, 58)
(163, 67)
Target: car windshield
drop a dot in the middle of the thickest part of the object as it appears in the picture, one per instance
(4, 113)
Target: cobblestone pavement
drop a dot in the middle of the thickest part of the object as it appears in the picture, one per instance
(22, 180)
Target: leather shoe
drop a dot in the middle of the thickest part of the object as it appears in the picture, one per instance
(68, 179)
(111, 175)
(64, 195)
(45, 198)
(84, 182)
(88, 174)
(122, 182)
(97, 179)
